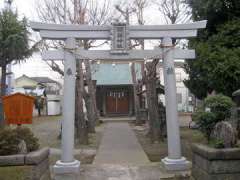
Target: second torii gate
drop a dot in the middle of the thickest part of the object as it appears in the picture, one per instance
(119, 34)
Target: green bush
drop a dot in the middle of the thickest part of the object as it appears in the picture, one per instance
(220, 105)
(218, 144)
(220, 109)
(205, 121)
(10, 139)
(8, 142)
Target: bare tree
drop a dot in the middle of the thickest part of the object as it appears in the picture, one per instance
(174, 11)
(77, 12)
(150, 80)
(138, 9)
(90, 99)
(80, 122)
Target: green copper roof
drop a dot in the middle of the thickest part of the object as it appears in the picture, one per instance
(107, 74)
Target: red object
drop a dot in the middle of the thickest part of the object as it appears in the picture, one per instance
(18, 108)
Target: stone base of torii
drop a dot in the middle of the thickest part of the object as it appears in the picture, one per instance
(68, 167)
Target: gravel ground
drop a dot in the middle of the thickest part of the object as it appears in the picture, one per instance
(47, 129)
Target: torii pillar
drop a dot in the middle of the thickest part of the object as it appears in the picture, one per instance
(68, 167)
(174, 160)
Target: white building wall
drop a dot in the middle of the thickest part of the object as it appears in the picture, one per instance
(182, 90)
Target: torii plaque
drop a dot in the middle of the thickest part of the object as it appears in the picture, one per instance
(120, 34)
(119, 38)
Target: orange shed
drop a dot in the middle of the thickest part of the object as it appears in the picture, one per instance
(18, 108)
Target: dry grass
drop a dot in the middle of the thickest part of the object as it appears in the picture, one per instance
(157, 151)
(47, 130)
(13, 173)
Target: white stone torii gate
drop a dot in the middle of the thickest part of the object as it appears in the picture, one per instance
(120, 34)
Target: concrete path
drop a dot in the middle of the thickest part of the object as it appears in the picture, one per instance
(153, 171)
(121, 157)
(119, 145)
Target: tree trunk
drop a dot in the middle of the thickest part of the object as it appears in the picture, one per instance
(153, 111)
(90, 112)
(154, 105)
(150, 112)
(3, 80)
(81, 123)
(135, 92)
(90, 99)
(162, 120)
(3, 93)
(152, 101)
(95, 102)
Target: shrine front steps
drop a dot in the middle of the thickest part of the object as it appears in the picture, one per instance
(118, 119)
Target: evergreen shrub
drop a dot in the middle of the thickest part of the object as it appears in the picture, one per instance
(10, 139)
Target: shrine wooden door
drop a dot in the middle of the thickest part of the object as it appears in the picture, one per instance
(117, 102)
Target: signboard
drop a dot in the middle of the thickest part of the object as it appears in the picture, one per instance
(18, 108)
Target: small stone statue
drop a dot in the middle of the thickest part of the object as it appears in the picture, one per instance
(22, 147)
(223, 131)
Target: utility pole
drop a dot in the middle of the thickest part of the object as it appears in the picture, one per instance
(65, 10)
(8, 6)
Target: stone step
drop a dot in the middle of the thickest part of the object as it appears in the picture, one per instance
(117, 119)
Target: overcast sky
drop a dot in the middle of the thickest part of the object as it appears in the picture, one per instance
(24, 7)
(35, 66)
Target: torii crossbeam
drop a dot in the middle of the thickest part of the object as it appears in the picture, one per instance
(105, 55)
(63, 31)
(119, 34)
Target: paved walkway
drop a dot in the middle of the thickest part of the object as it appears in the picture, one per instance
(153, 171)
(121, 157)
(119, 145)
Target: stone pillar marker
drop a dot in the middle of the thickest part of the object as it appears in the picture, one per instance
(174, 161)
(67, 164)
